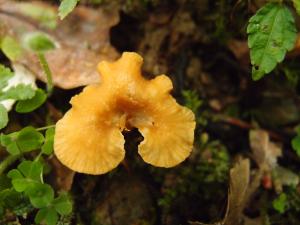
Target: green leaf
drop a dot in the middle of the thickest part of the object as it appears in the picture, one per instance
(47, 71)
(297, 5)
(40, 195)
(62, 204)
(4, 182)
(26, 176)
(280, 203)
(12, 199)
(297, 129)
(5, 75)
(11, 48)
(29, 139)
(3, 116)
(18, 92)
(46, 215)
(21, 184)
(13, 149)
(66, 6)
(296, 144)
(192, 100)
(15, 174)
(47, 148)
(271, 33)
(5, 140)
(9, 142)
(32, 170)
(42, 13)
(25, 140)
(25, 106)
(38, 42)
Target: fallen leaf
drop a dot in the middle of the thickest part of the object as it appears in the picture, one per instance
(237, 196)
(284, 177)
(81, 41)
(240, 50)
(172, 36)
(239, 182)
(264, 151)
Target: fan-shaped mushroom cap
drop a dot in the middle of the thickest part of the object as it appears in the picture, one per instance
(88, 138)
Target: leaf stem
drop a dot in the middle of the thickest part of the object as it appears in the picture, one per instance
(45, 128)
(47, 71)
(8, 161)
(37, 158)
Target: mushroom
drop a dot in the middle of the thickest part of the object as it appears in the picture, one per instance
(88, 139)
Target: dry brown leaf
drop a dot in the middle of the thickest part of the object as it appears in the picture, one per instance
(239, 182)
(82, 40)
(172, 36)
(240, 50)
(265, 152)
(238, 197)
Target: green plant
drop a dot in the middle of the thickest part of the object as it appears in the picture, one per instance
(271, 33)
(26, 183)
(210, 167)
(289, 200)
(28, 98)
(193, 102)
(66, 6)
(23, 191)
(296, 141)
(280, 203)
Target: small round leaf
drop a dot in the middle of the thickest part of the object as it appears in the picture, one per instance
(29, 139)
(3, 116)
(40, 195)
(29, 105)
(63, 205)
(46, 215)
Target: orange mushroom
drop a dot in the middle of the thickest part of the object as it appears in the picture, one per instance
(89, 137)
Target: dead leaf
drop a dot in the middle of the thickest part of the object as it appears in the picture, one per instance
(239, 182)
(265, 152)
(284, 177)
(81, 40)
(237, 196)
(240, 50)
(172, 36)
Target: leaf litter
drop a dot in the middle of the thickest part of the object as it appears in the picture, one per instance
(78, 48)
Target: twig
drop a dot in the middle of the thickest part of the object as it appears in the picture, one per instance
(247, 126)
(8, 161)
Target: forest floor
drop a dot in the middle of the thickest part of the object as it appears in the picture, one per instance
(202, 47)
